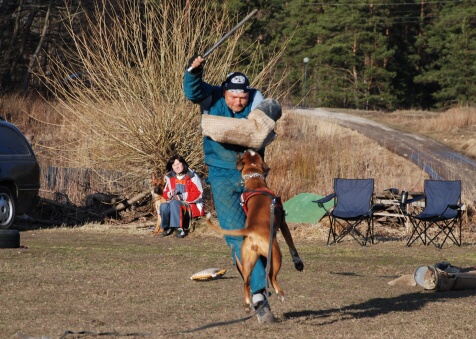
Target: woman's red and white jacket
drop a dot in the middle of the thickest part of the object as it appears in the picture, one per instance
(193, 190)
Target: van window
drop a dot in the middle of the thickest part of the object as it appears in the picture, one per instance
(12, 143)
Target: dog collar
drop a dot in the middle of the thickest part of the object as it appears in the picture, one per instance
(253, 175)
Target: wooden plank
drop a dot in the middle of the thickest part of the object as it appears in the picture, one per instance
(395, 215)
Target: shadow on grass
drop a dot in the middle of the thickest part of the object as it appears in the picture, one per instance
(379, 306)
(348, 274)
(371, 308)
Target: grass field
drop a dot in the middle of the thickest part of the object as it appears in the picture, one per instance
(105, 280)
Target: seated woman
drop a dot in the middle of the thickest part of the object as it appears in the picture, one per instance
(183, 192)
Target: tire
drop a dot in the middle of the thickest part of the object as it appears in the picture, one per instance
(7, 207)
(9, 238)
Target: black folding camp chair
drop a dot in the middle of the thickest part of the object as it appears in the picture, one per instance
(352, 212)
(441, 218)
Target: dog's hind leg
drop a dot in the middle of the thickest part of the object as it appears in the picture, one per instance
(274, 269)
(248, 261)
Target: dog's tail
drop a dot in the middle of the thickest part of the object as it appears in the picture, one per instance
(242, 232)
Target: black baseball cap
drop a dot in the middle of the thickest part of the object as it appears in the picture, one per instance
(237, 82)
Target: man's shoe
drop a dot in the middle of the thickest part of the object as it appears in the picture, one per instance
(180, 233)
(166, 232)
(264, 314)
(263, 311)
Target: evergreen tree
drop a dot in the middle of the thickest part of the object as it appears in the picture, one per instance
(298, 22)
(407, 21)
(348, 46)
(451, 39)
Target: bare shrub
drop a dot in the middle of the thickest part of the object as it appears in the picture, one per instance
(123, 106)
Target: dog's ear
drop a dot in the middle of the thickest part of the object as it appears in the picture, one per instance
(152, 176)
(240, 164)
(266, 168)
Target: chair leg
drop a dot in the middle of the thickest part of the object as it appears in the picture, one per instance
(337, 237)
(345, 230)
(455, 225)
(417, 232)
(349, 228)
(447, 229)
(411, 238)
(331, 231)
(356, 234)
(371, 230)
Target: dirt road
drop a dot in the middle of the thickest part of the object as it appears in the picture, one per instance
(439, 161)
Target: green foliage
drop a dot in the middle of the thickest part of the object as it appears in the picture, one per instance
(452, 43)
(383, 55)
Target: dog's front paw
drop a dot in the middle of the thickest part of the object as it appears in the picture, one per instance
(247, 308)
(299, 265)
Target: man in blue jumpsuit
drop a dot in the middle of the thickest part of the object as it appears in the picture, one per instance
(226, 107)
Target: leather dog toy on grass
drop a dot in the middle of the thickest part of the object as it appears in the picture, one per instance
(208, 274)
(255, 132)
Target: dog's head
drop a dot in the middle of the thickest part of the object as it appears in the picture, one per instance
(251, 162)
(157, 184)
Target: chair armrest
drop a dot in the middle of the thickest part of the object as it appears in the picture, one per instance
(455, 206)
(322, 201)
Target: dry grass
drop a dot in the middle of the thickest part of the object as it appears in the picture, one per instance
(309, 153)
(455, 127)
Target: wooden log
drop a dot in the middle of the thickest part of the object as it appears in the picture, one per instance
(123, 205)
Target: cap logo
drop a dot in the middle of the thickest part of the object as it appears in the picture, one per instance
(239, 79)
